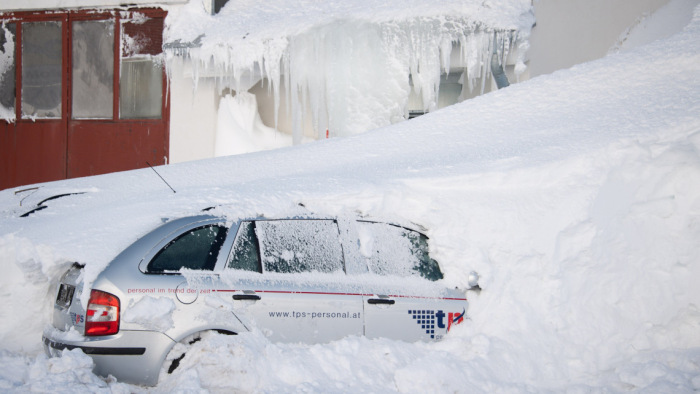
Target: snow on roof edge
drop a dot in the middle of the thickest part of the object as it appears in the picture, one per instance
(279, 18)
(24, 5)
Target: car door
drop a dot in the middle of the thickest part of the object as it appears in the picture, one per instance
(408, 304)
(412, 317)
(287, 277)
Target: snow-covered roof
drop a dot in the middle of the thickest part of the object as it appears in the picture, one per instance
(28, 5)
(254, 20)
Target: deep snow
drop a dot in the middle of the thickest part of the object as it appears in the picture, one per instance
(575, 195)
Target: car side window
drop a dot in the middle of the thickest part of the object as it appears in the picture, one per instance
(245, 254)
(291, 246)
(196, 249)
(395, 250)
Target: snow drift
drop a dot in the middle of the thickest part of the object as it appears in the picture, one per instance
(575, 195)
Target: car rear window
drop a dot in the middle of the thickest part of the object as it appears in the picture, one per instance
(395, 250)
(292, 246)
(196, 249)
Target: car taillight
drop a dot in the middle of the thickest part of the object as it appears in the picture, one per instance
(102, 314)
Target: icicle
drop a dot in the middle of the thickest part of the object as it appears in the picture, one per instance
(351, 76)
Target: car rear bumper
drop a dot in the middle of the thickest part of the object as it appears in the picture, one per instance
(130, 356)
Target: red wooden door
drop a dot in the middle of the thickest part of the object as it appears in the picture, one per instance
(131, 129)
(89, 95)
(33, 148)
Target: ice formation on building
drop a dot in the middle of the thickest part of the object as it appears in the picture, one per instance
(348, 67)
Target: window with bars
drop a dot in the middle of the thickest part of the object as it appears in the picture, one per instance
(136, 40)
(93, 69)
(8, 32)
(141, 81)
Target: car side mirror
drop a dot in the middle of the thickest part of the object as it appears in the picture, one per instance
(473, 282)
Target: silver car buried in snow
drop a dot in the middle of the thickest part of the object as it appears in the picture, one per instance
(303, 279)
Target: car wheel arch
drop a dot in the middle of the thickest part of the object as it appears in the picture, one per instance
(170, 362)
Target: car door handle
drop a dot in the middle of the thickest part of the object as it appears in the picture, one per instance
(384, 301)
(253, 297)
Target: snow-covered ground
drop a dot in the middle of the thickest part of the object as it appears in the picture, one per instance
(575, 195)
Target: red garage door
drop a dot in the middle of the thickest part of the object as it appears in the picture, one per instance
(81, 93)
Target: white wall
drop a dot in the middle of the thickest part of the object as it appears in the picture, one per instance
(570, 32)
(193, 114)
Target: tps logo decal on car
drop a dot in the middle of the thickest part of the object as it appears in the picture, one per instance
(76, 318)
(428, 319)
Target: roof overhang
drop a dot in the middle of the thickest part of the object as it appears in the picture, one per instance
(35, 5)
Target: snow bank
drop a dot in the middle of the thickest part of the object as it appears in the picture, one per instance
(240, 130)
(663, 23)
(576, 196)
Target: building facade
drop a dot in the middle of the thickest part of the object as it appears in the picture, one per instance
(85, 88)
